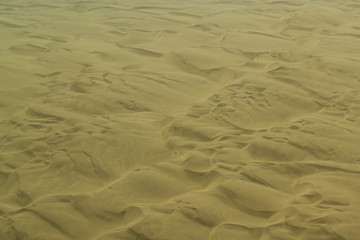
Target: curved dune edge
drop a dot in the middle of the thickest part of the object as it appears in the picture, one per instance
(175, 120)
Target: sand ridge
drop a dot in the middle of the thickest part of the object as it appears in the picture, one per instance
(179, 120)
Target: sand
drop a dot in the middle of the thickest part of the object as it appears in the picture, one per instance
(180, 120)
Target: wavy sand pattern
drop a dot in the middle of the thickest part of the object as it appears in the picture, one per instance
(180, 120)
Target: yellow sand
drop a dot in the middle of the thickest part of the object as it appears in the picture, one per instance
(179, 120)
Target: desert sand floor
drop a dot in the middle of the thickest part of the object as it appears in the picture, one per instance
(180, 120)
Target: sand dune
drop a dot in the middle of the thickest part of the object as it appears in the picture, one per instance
(179, 120)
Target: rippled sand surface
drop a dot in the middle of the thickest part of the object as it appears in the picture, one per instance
(180, 120)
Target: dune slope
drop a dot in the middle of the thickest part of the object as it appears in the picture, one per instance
(175, 120)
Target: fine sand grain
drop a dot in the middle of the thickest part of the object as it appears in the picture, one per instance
(180, 120)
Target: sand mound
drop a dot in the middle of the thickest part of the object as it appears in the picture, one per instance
(216, 120)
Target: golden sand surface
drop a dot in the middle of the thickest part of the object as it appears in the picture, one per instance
(180, 120)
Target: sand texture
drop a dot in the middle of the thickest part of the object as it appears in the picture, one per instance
(180, 120)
